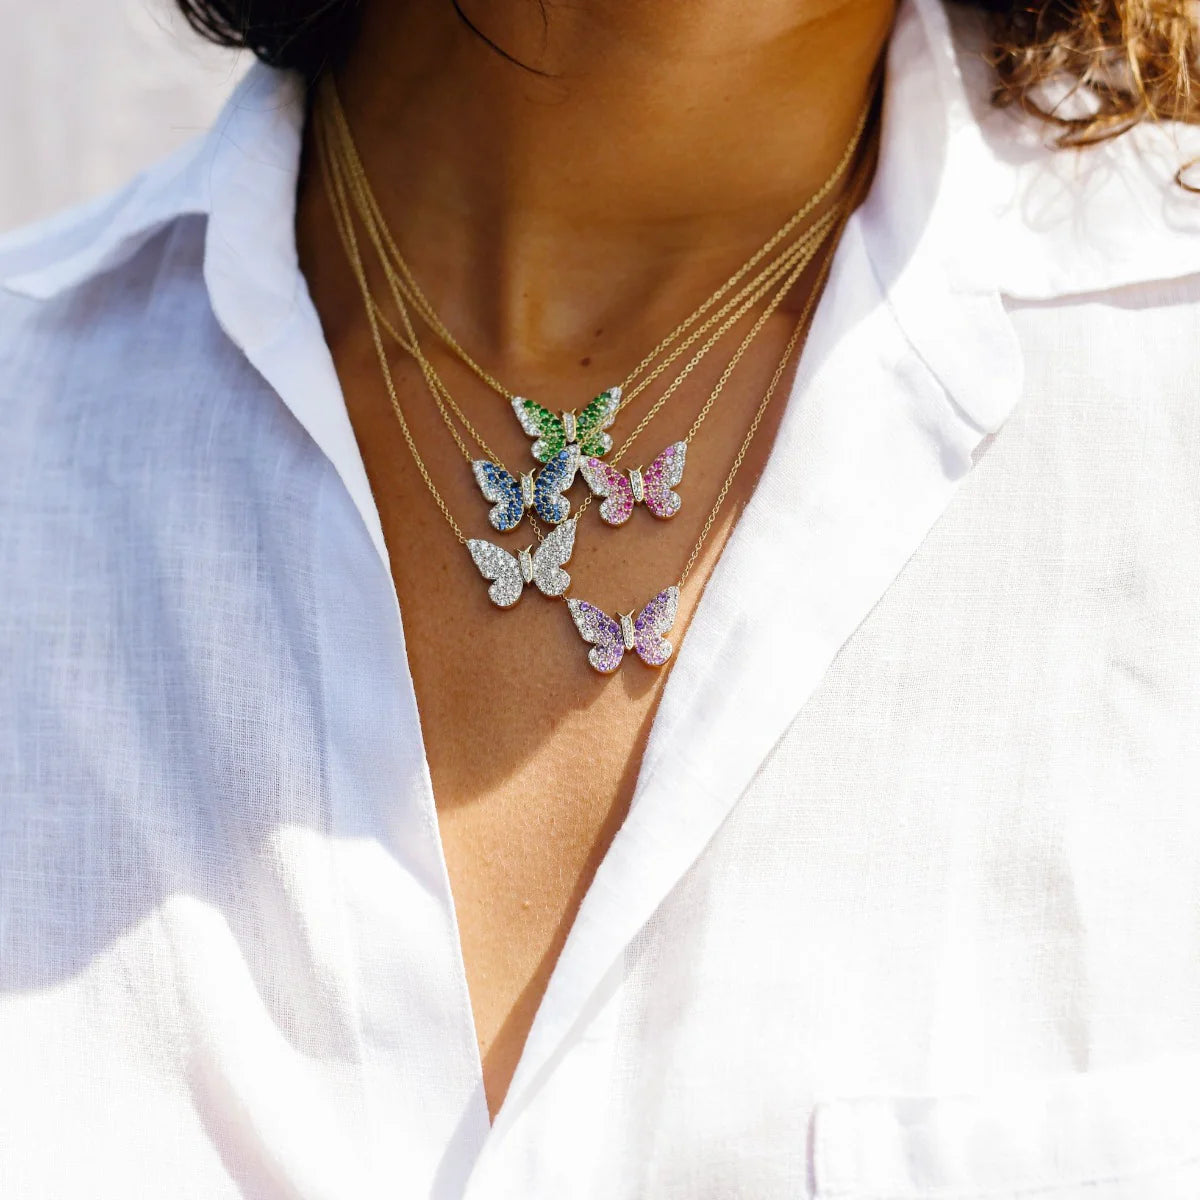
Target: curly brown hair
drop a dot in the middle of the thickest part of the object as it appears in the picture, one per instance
(1129, 61)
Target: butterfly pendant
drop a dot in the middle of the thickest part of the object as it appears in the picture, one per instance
(511, 496)
(512, 572)
(553, 431)
(610, 637)
(651, 487)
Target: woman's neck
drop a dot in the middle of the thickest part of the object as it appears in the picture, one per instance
(641, 152)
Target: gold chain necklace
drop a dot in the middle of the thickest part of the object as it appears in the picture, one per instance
(620, 492)
(551, 430)
(729, 315)
(610, 638)
(544, 494)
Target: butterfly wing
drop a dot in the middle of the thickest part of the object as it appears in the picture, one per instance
(503, 568)
(549, 558)
(650, 626)
(597, 416)
(542, 424)
(663, 474)
(614, 485)
(552, 480)
(603, 633)
(499, 486)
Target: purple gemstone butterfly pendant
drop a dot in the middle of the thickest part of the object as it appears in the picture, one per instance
(644, 634)
(623, 489)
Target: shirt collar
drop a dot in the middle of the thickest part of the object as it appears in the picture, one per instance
(1005, 210)
(241, 174)
(1069, 222)
(1031, 220)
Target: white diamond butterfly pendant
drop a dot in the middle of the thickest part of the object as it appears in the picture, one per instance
(644, 634)
(511, 573)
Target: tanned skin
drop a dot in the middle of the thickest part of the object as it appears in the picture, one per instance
(562, 217)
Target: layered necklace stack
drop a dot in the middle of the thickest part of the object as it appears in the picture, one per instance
(569, 444)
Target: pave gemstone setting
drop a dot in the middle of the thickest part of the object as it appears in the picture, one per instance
(644, 634)
(652, 487)
(510, 574)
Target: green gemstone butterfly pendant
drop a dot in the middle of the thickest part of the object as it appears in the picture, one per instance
(554, 431)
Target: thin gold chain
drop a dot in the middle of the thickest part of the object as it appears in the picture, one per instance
(784, 283)
(343, 220)
(328, 98)
(791, 267)
(788, 283)
(785, 271)
(798, 332)
(751, 291)
(350, 243)
(408, 340)
(744, 302)
(804, 249)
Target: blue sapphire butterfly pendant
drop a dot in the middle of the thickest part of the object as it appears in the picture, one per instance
(511, 496)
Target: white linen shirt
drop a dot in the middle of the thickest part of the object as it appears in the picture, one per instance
(907, 904)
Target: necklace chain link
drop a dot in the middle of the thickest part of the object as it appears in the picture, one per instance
(330, 107)
(349, 193)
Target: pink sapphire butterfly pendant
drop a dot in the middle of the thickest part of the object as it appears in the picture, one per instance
(611, 637)
(623, 489)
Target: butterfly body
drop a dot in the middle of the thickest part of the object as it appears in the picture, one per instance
(628, 630)
(512, 573)
(644, 634)
(555, 431)
(651, 487)
(512, 495)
